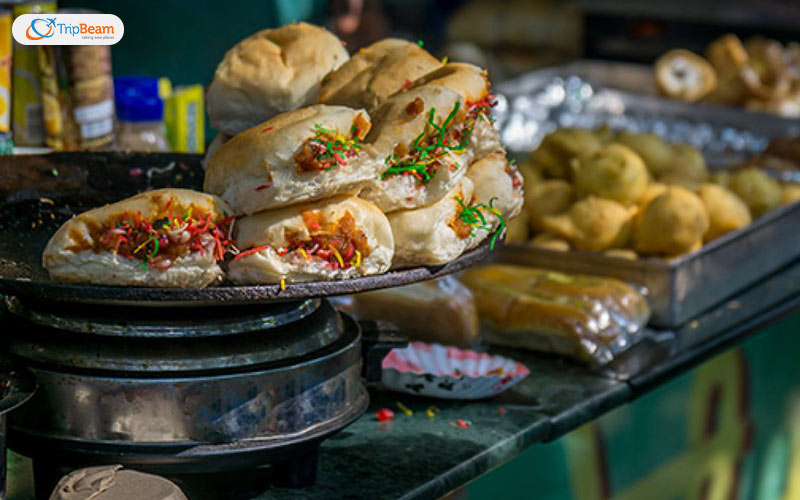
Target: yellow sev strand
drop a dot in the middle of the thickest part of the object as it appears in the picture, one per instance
(337, 255)
(142, 245)
(358, 259)
(304, 254)
(283, 283)
(405, 409)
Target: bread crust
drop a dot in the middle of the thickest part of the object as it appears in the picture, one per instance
(376, 72)
(69, 256)
(257, 170)
(271, 265)
(270, 72)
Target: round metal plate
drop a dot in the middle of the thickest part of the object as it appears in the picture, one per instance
(160, 322)
(227, 294)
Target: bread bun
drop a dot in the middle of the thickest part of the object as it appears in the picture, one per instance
(112, 245)
(270, 72)
(216, 143)
(497, 183)
(273, 164)
(408, 179)
(301, 238)
(375, 73)
(472, 83)
(439, 233)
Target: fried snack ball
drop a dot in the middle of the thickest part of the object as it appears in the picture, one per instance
(688, 167)
(684, 75)
(604, 133)
(622, 253)
(531, 173)
(592, 224)
(614, 172)
(559, 147)
(671, 224)
(726, 212)
(722, 178)
(550, 242)
(517, 228)
(790, 193)
(653, 189)
(655, 151)
(760, 192)
(547, 198)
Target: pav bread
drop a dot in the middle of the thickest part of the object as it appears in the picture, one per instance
(307, 154)
(425, 137)
(375, 73)
(472, 83)
(338, 238)
(162, 238)
(270, 72)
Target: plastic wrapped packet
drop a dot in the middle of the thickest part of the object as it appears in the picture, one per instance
(440, 311)
(589, 318)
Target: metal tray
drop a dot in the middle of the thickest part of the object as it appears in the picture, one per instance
(680, 289)
(39, 192)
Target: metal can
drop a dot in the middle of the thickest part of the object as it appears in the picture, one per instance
(27, 117)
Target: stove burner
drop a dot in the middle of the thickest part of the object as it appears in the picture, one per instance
(161, 391)
(160, 322)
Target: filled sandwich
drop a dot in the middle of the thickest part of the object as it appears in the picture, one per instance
(338, 238)
(476, 209)
(161, 238)
(307, 154)
(425, 137)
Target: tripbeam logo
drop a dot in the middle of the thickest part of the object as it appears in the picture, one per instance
(49, 29)
(68, 29)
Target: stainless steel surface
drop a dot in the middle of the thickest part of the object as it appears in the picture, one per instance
(172, 355)
(161, 322)
(680, 289)
(17, 388)
(258, 405)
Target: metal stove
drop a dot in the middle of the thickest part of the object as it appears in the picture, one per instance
(180, 391)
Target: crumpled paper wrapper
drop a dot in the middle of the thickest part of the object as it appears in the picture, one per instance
(111, 482)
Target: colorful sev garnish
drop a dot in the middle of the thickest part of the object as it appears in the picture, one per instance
(429, 149)
(384, 415)
(338, 244)
(471, 219)
(461, 423)
(329, 149)
(405, 409)
(431, 411)
(175, 232)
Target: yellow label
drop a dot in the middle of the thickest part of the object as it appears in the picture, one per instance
(185, 120)
(5, 71)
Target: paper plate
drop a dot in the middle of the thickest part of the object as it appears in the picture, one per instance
(447, 372)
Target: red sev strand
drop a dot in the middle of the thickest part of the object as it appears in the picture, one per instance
(250, 251)
(267, 129)
(263, 186)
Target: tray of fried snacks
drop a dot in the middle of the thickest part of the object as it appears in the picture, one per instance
(589, 318)
(670, 196)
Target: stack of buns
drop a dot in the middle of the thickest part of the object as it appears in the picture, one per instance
(341, 167)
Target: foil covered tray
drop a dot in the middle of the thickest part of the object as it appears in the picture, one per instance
(535, 104)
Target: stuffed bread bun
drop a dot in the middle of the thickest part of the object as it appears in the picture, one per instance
(376, 72)
(270, 72)
(339, 238)
(161, 238)
(466, 216)
(425, 139)
(306, 154)
(472, 83)
(497, 183)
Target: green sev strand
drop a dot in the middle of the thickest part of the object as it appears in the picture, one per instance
(471, 215)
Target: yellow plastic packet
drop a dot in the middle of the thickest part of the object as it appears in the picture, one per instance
(184, 119)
